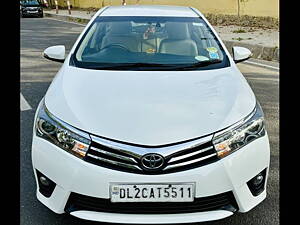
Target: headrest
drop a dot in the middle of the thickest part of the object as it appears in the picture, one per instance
(177, 30)
(120, 27)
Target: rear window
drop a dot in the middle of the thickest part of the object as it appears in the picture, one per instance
(30, 3)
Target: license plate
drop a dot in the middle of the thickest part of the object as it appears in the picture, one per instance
(180, 192)
(32, 11)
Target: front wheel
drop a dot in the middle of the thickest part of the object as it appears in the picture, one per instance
(42, 15)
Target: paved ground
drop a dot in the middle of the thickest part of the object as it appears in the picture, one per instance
(264, 37)
(36, 75)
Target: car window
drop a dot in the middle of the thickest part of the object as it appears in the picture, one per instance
(149, 41)
(30, 2)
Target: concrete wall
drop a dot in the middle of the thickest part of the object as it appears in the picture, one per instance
(82, 3)
(260, 8)
(226, 7)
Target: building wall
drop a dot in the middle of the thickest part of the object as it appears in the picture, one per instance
(84, 3)
(225, 7)
(260, 8)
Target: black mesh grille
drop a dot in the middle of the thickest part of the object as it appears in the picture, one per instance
(224, 201)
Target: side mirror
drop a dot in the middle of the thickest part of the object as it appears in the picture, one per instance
(55, 53)
(241, 54)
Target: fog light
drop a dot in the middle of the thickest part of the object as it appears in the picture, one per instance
(44, 181)
(258, 180)
(257, 184)
(46, 186)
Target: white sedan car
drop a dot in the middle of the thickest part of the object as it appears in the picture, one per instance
(149, 121)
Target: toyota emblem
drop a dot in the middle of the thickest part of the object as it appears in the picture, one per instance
(152, 161)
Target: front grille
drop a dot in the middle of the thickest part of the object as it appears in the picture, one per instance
(127, 158)
(104, 156)
(31, 9)
(225, 201)
(195, 157)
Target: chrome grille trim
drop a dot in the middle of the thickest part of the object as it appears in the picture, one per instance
(127, 157)
(172, 166)
(115, 162)
(137, 151)
(174, 159)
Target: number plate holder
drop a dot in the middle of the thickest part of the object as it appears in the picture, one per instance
(170, 192)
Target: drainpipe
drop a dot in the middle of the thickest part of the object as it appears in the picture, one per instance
(238, 2)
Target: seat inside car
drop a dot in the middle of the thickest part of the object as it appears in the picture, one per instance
(119, 33)
(179, 41)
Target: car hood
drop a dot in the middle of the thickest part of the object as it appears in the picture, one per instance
(150, 107)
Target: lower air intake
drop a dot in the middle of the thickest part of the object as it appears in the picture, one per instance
(225, 201)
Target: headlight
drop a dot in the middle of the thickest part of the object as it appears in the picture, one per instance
(57, 132)
(240, 134)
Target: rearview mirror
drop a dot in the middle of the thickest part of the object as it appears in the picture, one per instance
(241, 54)
(55, 53)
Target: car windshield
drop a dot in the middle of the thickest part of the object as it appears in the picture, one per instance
(30, 2)
(152, 43)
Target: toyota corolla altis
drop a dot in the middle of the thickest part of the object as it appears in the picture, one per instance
(149, 121)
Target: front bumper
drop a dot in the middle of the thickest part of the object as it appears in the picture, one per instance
(32, 13)
(72, 174)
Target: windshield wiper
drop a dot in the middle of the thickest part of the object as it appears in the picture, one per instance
(150, 66)
(116, 66)
(198, 64)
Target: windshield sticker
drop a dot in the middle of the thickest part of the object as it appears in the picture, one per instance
(201, 58)
(150, 50)
(212, 49)
(214, 55)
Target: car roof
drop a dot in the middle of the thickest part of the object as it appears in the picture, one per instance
(149, 10)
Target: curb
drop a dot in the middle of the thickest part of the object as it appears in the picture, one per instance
(259, 51)
(77, 19)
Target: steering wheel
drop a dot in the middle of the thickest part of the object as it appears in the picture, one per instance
(115, 46)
